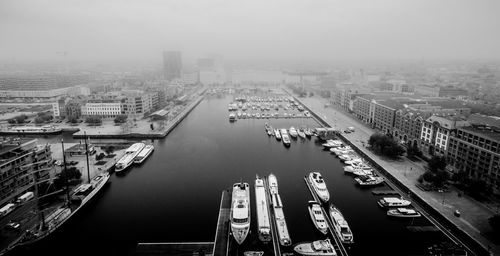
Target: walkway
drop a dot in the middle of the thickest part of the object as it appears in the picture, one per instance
(474, 215)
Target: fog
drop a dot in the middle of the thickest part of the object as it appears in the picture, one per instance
(249, 30)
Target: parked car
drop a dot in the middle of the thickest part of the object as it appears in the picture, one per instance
(13, 225)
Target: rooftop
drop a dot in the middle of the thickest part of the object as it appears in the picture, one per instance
(492, 134)
(9, 147)
(486, 120)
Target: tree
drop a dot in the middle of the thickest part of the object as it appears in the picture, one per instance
(495, 223)
(20, 119)
(413, 151)
(437, 163)
(120, 119)
(383, 144)
(109, 149)
(93, 120)
(73, 120)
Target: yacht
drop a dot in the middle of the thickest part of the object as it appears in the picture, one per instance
(354, 161)
(338, 149)
(277, 134)
(343, 152)
(317, 217)
(238, 114)
(319, 186)
(285, 137)
(129, 156)
(257, 115)
(279, 216)
(145, 152)
(369, 180)
(340, 225)
(332, 144)
(316, 248)
(345, 157)
(293, 132)
(263, 223)
(232, 117)
(393, 202)
(308, 132)
(403, 213)
(240, 213)
(273, 184)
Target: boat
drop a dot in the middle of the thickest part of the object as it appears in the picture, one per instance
(263, 223)
(285, 138)
(240, 212)
(317, 217)
(266, 126)
(277, 134)
(335, 150)
(393, 202)
(129, 156)
(253, 253)
(316, 248)
(244, 115)
(307, 114)
(145, 152)
(319, 186)
(360, 165)
(308, 132)
(340, 225)
(369, 180)
(279, 216)
(362, 172)
(354, 161)
(343, 152)
(238, 114)
(293, 132)
(232, 117)
(270, 132)
(257, 115)
(32, 130)
(332, 144)
(403, 213)
(80, 197)
(301, 133)
(345, 157)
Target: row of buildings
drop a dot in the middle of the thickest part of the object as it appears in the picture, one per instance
(436, 125)
(43, 85)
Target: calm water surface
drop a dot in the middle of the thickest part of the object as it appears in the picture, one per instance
(175, 194)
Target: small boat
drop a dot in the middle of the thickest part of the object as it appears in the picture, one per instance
(270, 131)
(261, 203)
(244, 115)
(332, 144)
(253, 253)
(319, 186)
(335, 150)
(285, 138)
(301, 133)
(316, 248)
(317, 217)
(257, 115)
(393, 202)
(240, 213)
(293, 132)
(129, 156)
(272, 183)
(232, 117)
(277, 134)
(345, 157)
(307, 114)
(145, 152)
(308, 132)
(403, 213)
(354, 161)
(340, 225)
(361, 165)
(238, 115)
(369, 180)
(357, 170)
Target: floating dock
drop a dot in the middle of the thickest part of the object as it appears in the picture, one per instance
(385, 192)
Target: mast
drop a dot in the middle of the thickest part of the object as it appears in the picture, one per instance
(87, 154)
(65, 173)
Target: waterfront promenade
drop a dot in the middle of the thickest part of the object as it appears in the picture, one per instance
(474, 215)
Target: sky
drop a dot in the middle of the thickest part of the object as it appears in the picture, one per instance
(95, 30)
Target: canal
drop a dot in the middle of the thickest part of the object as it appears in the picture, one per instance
(174, 196)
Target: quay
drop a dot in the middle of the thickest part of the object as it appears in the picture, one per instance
(339, 247)
(385, 192)
(449, 227)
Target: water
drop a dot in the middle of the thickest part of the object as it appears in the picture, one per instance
(174, 196)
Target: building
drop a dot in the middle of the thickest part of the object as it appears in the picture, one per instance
(452, 92)
(384, 114)
(41, 86)
(475, 150)
(427, 90)
(436, 133)
(59, 107)
(20, 161)
(73, 109)
(137, 103)
(172, 65)
(362, 107)
(105, 108)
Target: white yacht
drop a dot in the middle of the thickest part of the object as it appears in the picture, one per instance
(232, 117)
(285, 137)
(240, 213)
(369, 180)
(279, 216)
(317, 217)
(403, 213)
(332, 144)
(273, 184)
(263, 223)
(293, 132)
(319, 186)
(340, 225)
(301, 133)
(277, 134)
(338, 149)
(129, 156)
(316, 248)
(393, 202)
(145, 152)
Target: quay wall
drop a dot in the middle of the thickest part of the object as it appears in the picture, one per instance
(475, 245)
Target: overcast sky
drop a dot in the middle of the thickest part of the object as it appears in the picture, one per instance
(308, 30)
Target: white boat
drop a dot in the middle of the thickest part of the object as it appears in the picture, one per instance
(232, 117)
(34, 130)
(270, 132)
(316, 248)
(345, 157)
(257, 115)
(332, 144)
(277, 134)
(308, 132)
(403, 213)
(393, 202)
(354, 161)
(361, 165)
(339, 149)
(272, 183)
(253, 253)
(279, 216)
(340, 225)
(293, 132)
(319, 186)
(238, 114)
(145, 152)
(240, 212)
(317, 217)
(369, 180)
(244, 115)
(301, 133)
(263, 223)
(285, 138)
(362, 172)
(129, 156)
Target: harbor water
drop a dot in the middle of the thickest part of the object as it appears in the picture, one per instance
(174, 195)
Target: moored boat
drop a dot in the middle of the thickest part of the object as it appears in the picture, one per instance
(129, 156)
(232, 117)
(403, 213)
(277, 134)
(340, 225)
(240, 213)
(317, 217)
(369, 180)
(393, 202)
(301, 133)
(279, 216)
(316, 248)
(145, 152)
(285, 138)
(261, 204)
(319, 186)
(293, 132)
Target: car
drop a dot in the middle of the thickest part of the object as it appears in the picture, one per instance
(73, 162)
(456, 213)
(13, 225)
(58, 163)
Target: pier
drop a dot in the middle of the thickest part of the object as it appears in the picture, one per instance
(339, 247)
(222, 238)
(385, 192)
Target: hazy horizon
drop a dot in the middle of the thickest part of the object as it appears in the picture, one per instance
(322, 31)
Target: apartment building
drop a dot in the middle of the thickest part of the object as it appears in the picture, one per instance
(436, 133)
